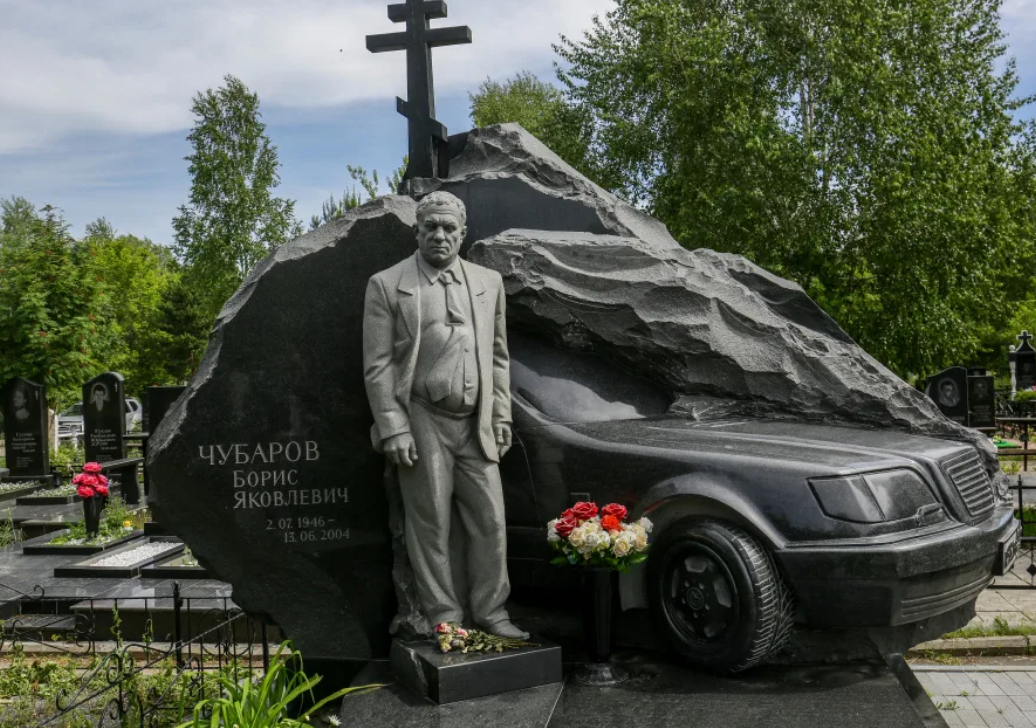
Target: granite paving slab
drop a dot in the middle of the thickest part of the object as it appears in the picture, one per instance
(850, 695)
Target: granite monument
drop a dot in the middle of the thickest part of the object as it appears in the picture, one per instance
(26, 438)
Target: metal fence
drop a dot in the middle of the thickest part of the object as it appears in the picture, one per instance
(200, 642)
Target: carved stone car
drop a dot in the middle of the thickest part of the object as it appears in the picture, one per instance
(757, 523)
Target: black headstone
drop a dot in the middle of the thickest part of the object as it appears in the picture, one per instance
(25, 428)
(1025, 362)
(104, 418)
(949, 390)
(157, 401)
(264, 467)
(981, 401)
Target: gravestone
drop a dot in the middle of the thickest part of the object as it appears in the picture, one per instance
(981, 399)
(104, 429)
(25, 429)
(157, 401)
(1025, 362)
(265, 467)
(949, 390)
(104, 418)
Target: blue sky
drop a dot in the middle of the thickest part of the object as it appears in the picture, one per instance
(95, 96)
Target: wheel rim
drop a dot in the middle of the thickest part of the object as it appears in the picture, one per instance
(699, 594)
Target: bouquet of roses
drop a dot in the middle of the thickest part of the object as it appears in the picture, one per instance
(588, 536)
(454, 637)
(90, 482)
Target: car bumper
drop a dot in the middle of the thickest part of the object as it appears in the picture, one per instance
(862, 584)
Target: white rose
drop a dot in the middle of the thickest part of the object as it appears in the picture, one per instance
(646, 524)
(604, 539)
(552, 532)
(593, 526)
(577, 537)
(593, 540)
(641, 541)
(621, 547)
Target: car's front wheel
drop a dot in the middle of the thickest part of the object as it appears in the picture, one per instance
(717, 595)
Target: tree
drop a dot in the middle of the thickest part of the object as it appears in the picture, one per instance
(233, 220)
(54, 309)
(866, 152)
(542, 111)
(333, 209)
(183, 325)
(136, 273)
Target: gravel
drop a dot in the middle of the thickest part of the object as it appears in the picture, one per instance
(127, 558)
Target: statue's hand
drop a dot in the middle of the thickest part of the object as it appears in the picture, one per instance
(503, 438)
(401, 449)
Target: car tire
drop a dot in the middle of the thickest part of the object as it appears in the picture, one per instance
(717, 596)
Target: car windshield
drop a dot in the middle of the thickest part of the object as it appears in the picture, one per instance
(75, 410)
(571, 387)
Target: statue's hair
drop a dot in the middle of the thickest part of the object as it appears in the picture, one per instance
(442, 199)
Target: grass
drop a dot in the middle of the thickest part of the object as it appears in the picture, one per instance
(8, 533)
(948, 705)
(1000, 628)
(114, 520)
(941, 658)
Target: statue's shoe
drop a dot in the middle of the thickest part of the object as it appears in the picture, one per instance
(505, 628)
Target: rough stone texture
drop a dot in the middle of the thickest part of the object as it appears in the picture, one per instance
(283, 365)
(727, 336)
(509, 179)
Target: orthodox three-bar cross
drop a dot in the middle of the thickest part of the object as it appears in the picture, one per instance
(428, 138)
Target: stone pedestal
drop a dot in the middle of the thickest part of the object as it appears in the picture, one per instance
(448, 678)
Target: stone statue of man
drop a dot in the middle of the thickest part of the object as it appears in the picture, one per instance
(438, 380)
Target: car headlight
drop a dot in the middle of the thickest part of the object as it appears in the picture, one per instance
(889, 495)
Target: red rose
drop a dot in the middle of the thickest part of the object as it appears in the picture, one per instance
(611, 523)
(102, 490)
(565, 526)
(614, 509)
(85, 491)
(584, 511)
(78, 479)
(567, 513)
(101, 480)
(92, 468)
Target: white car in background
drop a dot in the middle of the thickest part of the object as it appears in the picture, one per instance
(70, 422)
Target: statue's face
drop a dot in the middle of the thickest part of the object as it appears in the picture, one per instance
(439, 236)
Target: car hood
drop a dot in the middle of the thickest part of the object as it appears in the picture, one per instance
(835, 447)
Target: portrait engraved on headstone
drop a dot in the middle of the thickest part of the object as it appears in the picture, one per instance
(25, 428)
(437, 375)
(104, 418)
(948, 389)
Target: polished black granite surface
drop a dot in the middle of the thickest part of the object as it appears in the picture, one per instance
(851, 695)
(455, 677)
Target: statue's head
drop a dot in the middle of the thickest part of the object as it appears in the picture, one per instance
(441, 228)
(18, 398)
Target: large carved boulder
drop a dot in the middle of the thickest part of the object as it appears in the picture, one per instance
(265, 467)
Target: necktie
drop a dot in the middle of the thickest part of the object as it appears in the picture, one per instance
(453, 309)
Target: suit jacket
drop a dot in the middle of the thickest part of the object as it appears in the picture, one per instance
(392, 335)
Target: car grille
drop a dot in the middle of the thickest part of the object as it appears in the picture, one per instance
(971, 480)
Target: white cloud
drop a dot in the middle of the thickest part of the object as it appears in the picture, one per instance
(123, 66)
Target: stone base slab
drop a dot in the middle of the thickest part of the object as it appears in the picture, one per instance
(452, 677)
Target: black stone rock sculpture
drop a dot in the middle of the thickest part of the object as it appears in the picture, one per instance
(265, 467)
